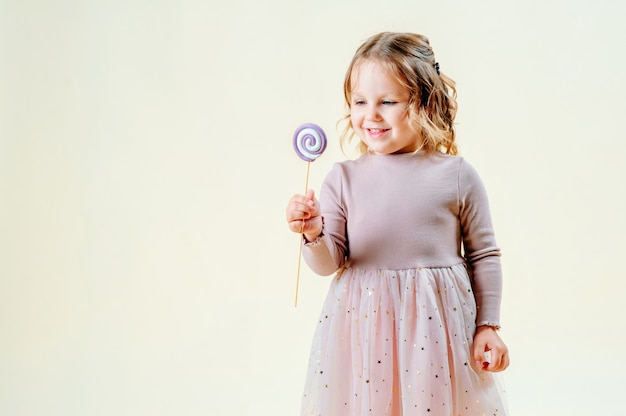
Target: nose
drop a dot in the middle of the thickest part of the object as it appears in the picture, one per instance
(372, 113)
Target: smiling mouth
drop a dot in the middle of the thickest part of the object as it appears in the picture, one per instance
(377, 132)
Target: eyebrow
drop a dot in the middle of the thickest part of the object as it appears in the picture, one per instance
(385, 93)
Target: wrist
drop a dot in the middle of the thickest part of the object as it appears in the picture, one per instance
(312, 235)
(487, 327)
(310, 238)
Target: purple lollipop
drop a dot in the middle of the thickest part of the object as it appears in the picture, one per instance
(309, 141)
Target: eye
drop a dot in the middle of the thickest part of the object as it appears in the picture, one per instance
(389, 102)
(359, 102)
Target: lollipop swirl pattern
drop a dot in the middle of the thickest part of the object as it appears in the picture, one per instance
(309, 141)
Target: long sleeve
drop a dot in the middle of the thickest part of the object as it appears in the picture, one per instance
(328, 253)
(479, 244)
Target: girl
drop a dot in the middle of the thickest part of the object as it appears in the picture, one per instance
(411, 317)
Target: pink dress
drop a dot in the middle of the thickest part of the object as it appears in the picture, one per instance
(417, 269)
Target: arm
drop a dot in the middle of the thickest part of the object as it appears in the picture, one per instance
(327, 253)
(483, 256)
(479, 245)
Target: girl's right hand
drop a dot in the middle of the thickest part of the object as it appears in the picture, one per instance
(303, 215)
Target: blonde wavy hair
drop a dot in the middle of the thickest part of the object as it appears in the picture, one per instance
(432, 106)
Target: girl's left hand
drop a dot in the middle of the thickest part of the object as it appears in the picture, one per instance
(487, 339)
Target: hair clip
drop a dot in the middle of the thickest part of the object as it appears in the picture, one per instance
(437, 67)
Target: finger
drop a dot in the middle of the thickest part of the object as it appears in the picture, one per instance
(496, 359)
(479, 354)
(298, 218)
(297, 226)
(500, 362)
(298, 211)
(495, 367)
(310, 195)
(487, 359)
(313, 209)
(504, 363)
(298, 199)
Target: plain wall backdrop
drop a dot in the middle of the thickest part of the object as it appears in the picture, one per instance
(146, 161)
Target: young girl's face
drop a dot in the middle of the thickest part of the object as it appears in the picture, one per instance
(379, 111)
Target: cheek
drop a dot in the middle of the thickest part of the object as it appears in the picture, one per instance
(402, 118)
(354, 118)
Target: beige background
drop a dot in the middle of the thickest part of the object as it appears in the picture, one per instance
(145, 162)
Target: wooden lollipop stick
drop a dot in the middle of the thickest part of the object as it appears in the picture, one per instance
(306, 188)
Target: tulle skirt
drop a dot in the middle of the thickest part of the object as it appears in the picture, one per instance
(398, 342)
